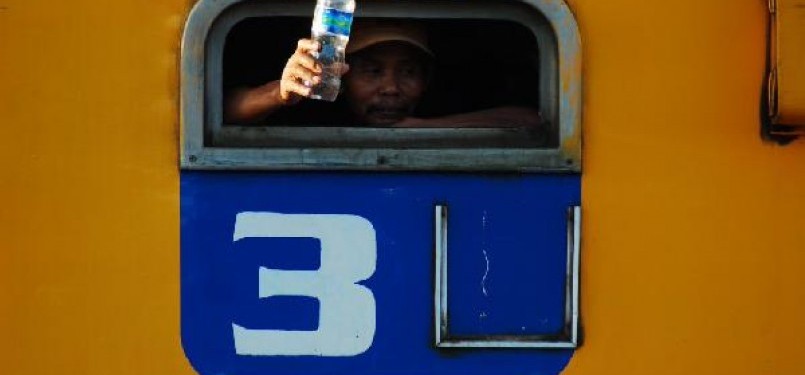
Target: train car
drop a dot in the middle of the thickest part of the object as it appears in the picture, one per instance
(653, 224)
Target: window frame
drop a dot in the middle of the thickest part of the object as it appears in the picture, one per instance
(207, 144)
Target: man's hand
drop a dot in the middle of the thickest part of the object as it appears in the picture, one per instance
(247, 105)
(301, 72)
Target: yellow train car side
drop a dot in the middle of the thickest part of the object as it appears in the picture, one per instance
(693, 228)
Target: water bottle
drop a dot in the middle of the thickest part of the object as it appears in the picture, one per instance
(332, 21)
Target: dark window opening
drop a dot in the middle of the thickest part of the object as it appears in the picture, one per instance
(479, 64)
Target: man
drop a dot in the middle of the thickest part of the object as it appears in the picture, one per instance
(389, 67)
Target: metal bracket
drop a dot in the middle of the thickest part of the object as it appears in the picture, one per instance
(773, 127)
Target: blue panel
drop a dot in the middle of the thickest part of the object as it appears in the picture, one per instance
(507, 264)
(507, 243)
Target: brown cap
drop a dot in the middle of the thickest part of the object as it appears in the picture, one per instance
(366, 33)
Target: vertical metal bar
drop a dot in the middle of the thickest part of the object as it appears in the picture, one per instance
(575, 257)
(440, 256)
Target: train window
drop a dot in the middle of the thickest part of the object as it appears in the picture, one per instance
(483, 56)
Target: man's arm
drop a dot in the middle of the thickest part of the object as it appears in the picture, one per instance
(250, 105)
(506, 117)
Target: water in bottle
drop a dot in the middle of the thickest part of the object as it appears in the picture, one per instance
(332, 21)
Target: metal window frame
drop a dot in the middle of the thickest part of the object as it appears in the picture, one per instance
(201, 120)
(567, 338)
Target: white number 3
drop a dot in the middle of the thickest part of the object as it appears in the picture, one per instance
(346, 309)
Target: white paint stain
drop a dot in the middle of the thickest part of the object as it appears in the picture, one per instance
(486, 273)
(486, 257)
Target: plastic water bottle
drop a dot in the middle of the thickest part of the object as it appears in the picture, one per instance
(332, 21)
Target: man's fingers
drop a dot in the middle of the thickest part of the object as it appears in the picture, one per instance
(307, 45)
(290, 86)
(306, 61)
(341, 69)
(301, 73)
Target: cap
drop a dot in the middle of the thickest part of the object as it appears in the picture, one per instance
(366, 33)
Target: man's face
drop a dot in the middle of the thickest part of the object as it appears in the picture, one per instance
(385, 83)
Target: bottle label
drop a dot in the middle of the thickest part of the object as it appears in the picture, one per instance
(336, 22)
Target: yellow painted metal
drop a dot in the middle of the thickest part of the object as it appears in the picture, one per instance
(89, 242)
(789, 61)
(693, 228)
